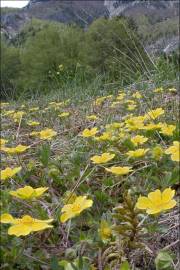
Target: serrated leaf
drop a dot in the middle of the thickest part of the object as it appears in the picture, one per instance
(164, 261)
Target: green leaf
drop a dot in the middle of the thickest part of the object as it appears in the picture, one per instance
(80, 262)
(127, 143)
(164, 261)
(73, 267)
(54, 263)
(174, 177)
(66, 265)
(45, 154)
(101, 196)
(125, 266)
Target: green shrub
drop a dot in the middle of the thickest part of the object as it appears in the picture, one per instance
(10, 68)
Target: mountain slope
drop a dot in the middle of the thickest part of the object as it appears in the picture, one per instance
(66, 11)
(160, 9)
(157, 21)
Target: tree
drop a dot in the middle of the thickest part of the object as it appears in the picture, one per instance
(55, 45)
(112, 46)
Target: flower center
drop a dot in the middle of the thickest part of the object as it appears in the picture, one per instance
(107, 231)
(76, 208)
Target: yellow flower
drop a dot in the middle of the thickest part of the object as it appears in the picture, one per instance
(15, 150)
(158, 90)
(119, 170)
(34, 109)
(105, 157)
(9, 112)
(47, 134)
(121, 96)
(18, 115)
(3, 142)
(157, 152)
(105, 231)
(130, 101)
(34, 133)
(135, 123)
(115, 103)
(28, 192)
(33, 123)
(64, 114)
(114, 125)
(173, 90)
(151, 126)
(104, 137)
(137, 95)
(137, 153)
(122, 134)
(153, 114)
(91, 117)
(99, 100)
(174, 151)
(9, 172)
(167, 129)
(71, 210)
(131, 107)
(109, 96)
(4, 104)
(24, 225)
(59, 104)
(138, 140)
(89, 132)
(52, 103)
(157, 201)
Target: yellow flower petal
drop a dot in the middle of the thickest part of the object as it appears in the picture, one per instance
(168, 194)
(19, 229)
(105, 157)
(74, 209)
(28, 192)
(87, 204)
(64, 217)
(154, 210)
(89, 132)
(119, 170)
(155, 196)
(9, 172)
(40, 191)
(170, 205)
(143, 203)
(175, 156)
(6, 218)
(38, 226)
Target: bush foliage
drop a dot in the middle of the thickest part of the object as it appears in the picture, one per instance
(47, 55)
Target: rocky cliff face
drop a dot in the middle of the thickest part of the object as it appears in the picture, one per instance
(157, 11)
(162, 8)
(83, 12)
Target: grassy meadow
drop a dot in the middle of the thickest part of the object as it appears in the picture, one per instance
(89, 148)
(91, 183)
